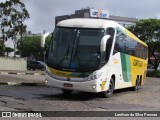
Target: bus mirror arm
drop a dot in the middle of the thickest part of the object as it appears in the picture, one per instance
(103, 48)
(103, 43)
(43, 39)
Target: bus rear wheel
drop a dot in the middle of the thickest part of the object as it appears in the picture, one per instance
(109, 92)
(67, 92)
(137, 85)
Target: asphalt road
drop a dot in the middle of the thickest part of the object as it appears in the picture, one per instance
(42, 98)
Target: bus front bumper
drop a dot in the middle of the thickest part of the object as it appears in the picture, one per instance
(87, 86)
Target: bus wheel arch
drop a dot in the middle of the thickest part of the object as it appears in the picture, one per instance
(114, 79)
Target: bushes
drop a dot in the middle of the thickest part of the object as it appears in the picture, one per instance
(154, 73)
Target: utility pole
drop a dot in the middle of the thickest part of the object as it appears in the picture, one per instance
(44, 52)
(21, 34)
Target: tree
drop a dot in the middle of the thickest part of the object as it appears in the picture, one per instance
(8, 50)
(148, 30)
(1, 48)
(13, 15)
(3, 24)
(30, 46)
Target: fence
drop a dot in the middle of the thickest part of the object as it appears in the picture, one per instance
(7, 63)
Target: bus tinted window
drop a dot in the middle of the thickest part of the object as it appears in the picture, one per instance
(120, 45)
(130, 46)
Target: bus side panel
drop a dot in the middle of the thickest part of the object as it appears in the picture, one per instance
(139, 68)
(120, 67)
(126, 69)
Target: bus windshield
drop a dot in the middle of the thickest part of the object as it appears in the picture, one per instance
(75, 49)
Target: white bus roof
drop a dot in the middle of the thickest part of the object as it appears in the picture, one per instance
(85, 23)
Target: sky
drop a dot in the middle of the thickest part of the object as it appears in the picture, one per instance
(43, 12)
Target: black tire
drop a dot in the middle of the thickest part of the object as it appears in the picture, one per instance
(110, 91)
(137, 85)
(67, 92)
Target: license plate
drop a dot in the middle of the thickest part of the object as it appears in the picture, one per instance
(67, 85)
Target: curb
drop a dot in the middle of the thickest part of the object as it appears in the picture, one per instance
(21, 73)
(21, 84)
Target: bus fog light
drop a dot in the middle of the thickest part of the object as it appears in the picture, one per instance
(46, 81)
(94, 86)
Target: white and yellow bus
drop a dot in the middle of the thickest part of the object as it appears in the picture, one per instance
(95, 55)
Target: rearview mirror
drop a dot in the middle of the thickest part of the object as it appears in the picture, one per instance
(103, 43)
(43, 39)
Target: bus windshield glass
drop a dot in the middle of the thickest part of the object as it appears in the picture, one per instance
(75, 49)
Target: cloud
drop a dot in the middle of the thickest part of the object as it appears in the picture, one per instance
(43, 12)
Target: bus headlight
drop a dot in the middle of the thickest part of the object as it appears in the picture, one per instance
(94, 76)
(46, 81)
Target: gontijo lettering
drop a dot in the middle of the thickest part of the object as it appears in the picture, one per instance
(138, 63)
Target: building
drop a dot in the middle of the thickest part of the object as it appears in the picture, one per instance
(103, 14)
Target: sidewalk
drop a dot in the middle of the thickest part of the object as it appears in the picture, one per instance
(32, 78)
(28, 72)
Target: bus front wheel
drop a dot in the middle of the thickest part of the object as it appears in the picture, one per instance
(109, 92)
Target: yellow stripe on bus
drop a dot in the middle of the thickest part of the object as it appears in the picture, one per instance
(59, 73)
(134, 37)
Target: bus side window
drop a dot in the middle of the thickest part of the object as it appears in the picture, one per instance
(120, 43)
